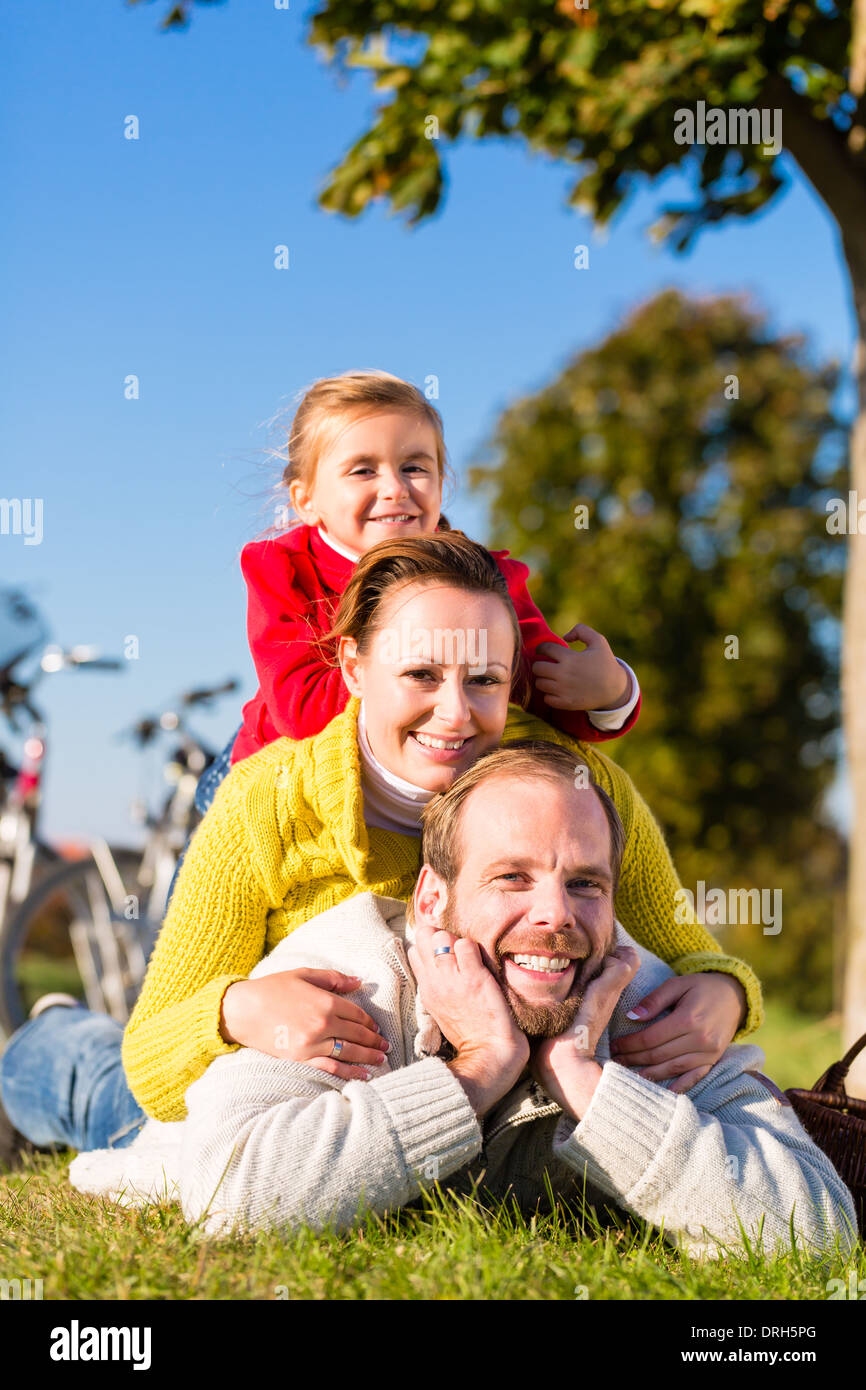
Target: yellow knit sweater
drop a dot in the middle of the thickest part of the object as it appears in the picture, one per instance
(285, 839)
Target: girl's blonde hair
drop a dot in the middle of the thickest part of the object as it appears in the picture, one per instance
(322, 413)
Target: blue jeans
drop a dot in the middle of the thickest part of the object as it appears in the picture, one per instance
(61, 1075)
(213, 775)
(62, 1082)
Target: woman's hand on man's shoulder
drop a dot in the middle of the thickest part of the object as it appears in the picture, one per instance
(301, 1015)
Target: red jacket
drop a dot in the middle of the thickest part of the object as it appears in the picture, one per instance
(294, 583)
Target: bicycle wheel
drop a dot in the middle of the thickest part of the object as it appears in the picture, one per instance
(71, 935)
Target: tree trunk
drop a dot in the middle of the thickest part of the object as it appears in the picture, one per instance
(836, 166)
(854, 685)
(857, 79)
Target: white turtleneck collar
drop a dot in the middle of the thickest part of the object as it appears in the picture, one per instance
(340, 549)
(390, 803)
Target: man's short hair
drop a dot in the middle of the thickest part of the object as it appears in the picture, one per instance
(440, 822)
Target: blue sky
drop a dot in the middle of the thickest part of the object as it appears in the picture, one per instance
(155, 257)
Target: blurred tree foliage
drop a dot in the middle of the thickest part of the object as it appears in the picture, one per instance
(703, 450)
(597, 85)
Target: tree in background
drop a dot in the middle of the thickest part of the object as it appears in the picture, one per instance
(600, 83)
(669, 488)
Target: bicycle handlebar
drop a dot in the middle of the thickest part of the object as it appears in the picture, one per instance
(204, 695)
(101, 663)
(15, 692)
(145, 730)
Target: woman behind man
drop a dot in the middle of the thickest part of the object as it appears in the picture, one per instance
(303, 825)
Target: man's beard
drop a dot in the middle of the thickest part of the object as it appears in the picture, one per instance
(535, 1020)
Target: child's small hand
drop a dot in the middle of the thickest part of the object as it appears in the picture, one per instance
(591, 679)
(707, 1010)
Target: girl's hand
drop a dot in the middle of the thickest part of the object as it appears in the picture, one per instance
(298, 1014)
(591, 679)
(707, 1010)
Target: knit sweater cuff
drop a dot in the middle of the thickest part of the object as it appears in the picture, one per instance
(622, 1132)
(437, 1127)
(700, 962)
(206, 1016)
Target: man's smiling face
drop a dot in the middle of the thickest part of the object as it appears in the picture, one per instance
(535, 892)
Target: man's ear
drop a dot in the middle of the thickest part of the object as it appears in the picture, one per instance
(302, 503)
(430, 898)
(347, 653)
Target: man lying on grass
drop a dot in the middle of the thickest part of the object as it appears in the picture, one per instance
(500, 1018)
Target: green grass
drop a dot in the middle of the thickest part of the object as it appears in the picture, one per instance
(798, 1048)
(38, 975)
(455, 1248)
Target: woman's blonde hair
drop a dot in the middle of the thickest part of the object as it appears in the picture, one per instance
(447, 558)
(325, 406)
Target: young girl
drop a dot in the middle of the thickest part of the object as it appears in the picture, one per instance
(367, 463)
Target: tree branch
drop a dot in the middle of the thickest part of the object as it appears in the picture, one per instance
(838, 175)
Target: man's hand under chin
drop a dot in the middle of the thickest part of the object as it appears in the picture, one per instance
(565, 1066)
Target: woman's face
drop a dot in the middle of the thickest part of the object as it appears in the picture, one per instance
(435, 681)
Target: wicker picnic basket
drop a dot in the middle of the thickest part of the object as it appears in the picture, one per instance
(837, 1123)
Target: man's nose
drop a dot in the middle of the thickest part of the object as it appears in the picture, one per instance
(552, 907)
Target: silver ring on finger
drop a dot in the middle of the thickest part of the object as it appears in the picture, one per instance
(337, 1048)
(442, 951)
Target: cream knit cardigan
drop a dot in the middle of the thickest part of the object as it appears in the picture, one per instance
(270, 1142)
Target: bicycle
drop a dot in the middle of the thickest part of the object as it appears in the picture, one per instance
(89, 927)
(24, 856)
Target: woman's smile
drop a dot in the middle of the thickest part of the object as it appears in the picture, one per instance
(440, 749)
